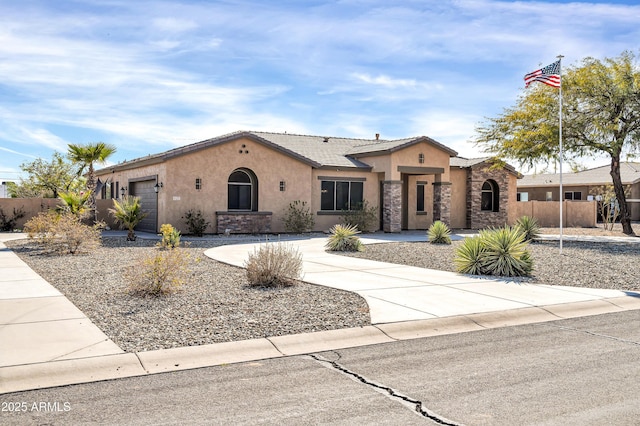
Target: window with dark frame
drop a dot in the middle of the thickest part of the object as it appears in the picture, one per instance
(573, 195)
(490, 196)
(340, 195)
(242, 191)
(198, 184)
(420, 197)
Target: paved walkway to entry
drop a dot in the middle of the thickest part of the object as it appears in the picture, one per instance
(404, 293)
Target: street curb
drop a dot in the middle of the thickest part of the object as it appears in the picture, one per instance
(86, 370)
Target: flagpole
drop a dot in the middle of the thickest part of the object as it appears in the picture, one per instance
(560, 137)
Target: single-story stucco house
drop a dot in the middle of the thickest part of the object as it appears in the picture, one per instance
(245, 181)
(582, 185)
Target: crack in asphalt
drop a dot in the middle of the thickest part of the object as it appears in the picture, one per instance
(592, 333)
(415, 404)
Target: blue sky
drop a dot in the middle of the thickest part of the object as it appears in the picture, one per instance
(147, 76)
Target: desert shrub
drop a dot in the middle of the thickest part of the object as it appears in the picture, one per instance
(363, 216)
(274, 264)
(439, 233)
(529, 227)
(196, 223)
(63, 233)
(344, 238)
(298, 218)
(9, 223)
(170, 237)
(159, 273)
(501, 251)
(469, 257)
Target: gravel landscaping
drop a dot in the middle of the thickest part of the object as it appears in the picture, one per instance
(581, 264)
(216, 305)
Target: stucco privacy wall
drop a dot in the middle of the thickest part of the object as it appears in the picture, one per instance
(30, 207)
(547, 213)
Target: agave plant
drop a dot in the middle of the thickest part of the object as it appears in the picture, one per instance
(506, 252)
(344, 238)
(469, 257)
(529, 226)
(439, 233)
(128, 213)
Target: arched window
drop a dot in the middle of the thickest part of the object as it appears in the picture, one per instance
(243, 190)
(490, 196)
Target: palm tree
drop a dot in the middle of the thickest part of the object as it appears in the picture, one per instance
(74, 202)
(128, 214)
(86, 156)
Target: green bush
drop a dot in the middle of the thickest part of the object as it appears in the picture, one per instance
(274, 264)
(344, 238)
(159, 273)
(439, 233)
(298, 218)
(170, 237)
(529, 227)
(9, 223)
(196, 223)
(501, 251)
(363, 216)
(63, 233)
(469, 257)
(128, 214)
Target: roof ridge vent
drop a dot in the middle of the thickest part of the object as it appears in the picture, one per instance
(325, 140)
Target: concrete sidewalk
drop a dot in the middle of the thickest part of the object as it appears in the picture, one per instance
(46, 341)
(397, 293)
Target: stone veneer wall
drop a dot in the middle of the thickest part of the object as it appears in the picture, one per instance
(243, 222)
(477, 218)
(392, 201)
(442, 202)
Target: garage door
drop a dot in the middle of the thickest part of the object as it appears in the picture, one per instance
(148, 201)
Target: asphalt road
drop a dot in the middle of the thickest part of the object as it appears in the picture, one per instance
(582, 371)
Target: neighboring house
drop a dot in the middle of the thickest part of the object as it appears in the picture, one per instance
(582, 185)
(245, 181)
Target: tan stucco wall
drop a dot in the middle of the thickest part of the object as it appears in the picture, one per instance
(29, 206)
(458, 198)
(388, 164)
(512, 213)
(547, 213)
(213, 166)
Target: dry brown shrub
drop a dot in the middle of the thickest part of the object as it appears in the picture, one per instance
(274, 264)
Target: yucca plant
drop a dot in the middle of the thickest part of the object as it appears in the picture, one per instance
(506, 252)
(439, 233)
(344, 238)
(529, 226)
(469, 257)
(128, 213)
(76, 203)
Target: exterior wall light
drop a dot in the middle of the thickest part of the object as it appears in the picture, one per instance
(157, 186)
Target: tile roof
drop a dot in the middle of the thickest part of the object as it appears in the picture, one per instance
(629, 172)
(317, 151)
(464, 163)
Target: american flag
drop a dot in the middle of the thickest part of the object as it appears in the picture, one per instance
(549, 75)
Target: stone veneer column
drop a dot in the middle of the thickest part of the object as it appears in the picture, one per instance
(392, 200)
(442, 202)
